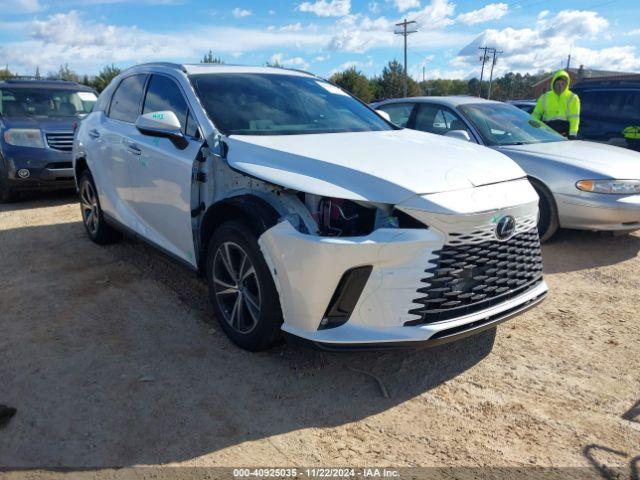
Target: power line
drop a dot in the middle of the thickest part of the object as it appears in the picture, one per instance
(405, 33)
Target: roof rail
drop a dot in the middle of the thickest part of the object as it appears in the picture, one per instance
(162, 64)
(29, 78)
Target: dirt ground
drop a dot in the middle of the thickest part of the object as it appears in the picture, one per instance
(113, 359)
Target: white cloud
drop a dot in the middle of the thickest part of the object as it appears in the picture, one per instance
(374, 7)
(295, 62)
(435, 15)
(493, 11)
(548, 42)
(352, 64)
(241, 12)
(403, 5)
(20, 6)
(88, 45)
(324, 8)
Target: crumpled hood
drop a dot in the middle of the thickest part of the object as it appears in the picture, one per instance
(605, 160)
(386, 167)
(46, 124)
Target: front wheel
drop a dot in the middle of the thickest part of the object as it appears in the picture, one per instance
(548, 222)
(241, 288)
(92, 217)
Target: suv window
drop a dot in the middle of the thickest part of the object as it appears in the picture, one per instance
(436, 119)
(399, 112)
(125, 104)
(613, 104)
(164, 94)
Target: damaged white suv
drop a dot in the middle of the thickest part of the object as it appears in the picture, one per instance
(308, 212)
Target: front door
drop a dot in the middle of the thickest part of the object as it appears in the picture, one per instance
(162, 174)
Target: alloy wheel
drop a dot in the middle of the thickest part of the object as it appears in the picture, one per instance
(236, 286)
(89, 204)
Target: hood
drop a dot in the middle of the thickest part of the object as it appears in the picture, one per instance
(606, 161)
(561, 74)
(386, 167)
(43, 123)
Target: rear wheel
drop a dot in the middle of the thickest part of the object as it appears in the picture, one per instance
(548, 222)
(92, 217)
(241, 288)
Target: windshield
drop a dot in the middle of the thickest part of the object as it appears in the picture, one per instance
(275, 104)
(42, 102)
(502, 124)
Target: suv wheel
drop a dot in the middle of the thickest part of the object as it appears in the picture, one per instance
(241, 288)
(92, 218)
(548, 223)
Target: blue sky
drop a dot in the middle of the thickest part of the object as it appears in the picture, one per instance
(322, 36)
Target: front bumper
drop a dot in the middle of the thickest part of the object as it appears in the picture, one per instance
(307, 269)
(596, 211)
(49, 169)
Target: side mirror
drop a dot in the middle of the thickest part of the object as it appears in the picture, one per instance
(459, 134)
(162, 124)
(384, 115)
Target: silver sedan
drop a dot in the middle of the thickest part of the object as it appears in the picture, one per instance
(581, 185)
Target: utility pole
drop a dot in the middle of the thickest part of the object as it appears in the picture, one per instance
(493, 64)
(405, 33)
(484, 59)
(568, 61)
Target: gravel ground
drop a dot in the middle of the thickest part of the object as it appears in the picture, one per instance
(113, 359)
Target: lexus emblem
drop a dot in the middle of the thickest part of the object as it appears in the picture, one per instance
(505, 227)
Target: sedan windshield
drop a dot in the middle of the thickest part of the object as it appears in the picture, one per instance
(43, 102)
(275, 104)
(502, 124)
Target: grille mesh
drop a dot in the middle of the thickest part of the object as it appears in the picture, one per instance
(60, 141)
(472, 277)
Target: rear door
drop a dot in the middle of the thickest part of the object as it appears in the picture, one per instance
(162, 173)
(112, 168)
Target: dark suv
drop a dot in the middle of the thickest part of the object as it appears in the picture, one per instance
(610, 111)
(37, 119)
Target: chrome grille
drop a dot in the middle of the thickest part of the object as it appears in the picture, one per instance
(60, 141)
(469, 278)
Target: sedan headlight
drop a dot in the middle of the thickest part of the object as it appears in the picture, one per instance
(24, 137)
(617, 187)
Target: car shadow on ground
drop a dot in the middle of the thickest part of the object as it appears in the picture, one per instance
(113, 358)
(29, 200)
(573, 250)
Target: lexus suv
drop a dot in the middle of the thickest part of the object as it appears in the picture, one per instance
(307, 212)
(37, 118)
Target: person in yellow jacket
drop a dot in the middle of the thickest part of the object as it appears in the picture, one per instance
(559, 107)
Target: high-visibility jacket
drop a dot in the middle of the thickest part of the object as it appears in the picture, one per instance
(566, 106)
(632, 133)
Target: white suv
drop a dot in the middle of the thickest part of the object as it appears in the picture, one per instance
(307, 212)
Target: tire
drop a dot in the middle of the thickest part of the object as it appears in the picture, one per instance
(92, 217)
(248, 310)
(548, 222)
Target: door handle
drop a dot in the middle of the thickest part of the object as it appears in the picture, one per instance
(134, 149)
(94, 133)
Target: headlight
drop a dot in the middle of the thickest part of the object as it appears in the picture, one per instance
(24, 137)
(617, 187)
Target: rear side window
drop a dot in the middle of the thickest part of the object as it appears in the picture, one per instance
(399, 112)
(164, 94)
(125, 104)
(439, 120)
(613, 104)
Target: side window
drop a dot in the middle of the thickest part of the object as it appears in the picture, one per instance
(399, 112)
(125, 104)
(439, 120)
(191, 129)
(164, 94)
